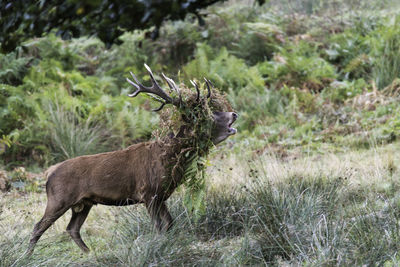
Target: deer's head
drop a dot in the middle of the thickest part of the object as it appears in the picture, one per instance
(196, 110)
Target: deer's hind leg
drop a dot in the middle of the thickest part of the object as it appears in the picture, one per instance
(52, 213)
(79, 215)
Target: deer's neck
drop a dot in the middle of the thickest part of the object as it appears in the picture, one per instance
(181, 152)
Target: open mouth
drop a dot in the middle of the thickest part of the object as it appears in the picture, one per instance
(230, 128)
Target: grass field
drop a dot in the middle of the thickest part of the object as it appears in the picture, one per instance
(310, 179)
(319, 210)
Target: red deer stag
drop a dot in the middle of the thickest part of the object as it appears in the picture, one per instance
(146, 172)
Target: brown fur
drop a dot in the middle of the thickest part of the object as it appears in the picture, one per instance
(140, 173)
(143, 173)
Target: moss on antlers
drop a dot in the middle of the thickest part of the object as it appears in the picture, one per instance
(191, 125)
(193, 113)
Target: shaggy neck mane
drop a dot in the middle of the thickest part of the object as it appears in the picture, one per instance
(181, 150)
(191, 125)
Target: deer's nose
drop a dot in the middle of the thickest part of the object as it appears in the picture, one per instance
(234, 115)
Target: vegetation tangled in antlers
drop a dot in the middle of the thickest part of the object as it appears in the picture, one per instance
(186, 128)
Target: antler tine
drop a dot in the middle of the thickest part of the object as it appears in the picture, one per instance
(138, 85)
(173, 86)
(155, 89)
(197, 89)
(160, 108)
(208, 83)
(170, 82)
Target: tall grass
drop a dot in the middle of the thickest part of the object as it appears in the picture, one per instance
(325, 210)
(335, 211)
(314, 219)
(137, 243)
(386, 46)
(71, 137)
(291, 215)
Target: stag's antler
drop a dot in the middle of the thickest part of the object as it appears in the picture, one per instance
(208, 83)
(160, 95)
(155, 89)
(197, 89)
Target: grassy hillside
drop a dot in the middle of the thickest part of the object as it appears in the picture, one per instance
(311, 178)
(316, 210)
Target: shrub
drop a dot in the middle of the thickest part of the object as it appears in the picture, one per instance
(128, 57)
(299, 66)
(349, 52)
(338, 92)
(226, 71)
(258, 42)
(15, 108)
(70, 137)
(13, 68)
(60, 99)
(386, 54)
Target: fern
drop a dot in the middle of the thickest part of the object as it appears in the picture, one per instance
(190, 150)
(195, 186)
(13, 68)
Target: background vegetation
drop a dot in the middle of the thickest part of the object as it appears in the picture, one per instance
(311, 178)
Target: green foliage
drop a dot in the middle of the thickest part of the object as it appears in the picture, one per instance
(302, 85)
(20, 20)
(278, 78)
(258, 42)
(257, 107)
(128, 57)
(326, 7)
(386, 53)
(177, 43)
(14, 108)
(303, 6)
(5, 142)
(338, 92)
(13, 68)
(60, 99)
(192, 124)
(225, 25)
(349, 52)
(195, 185)
(70, 137)
(226, 71)
(249, 33)
(299, 66)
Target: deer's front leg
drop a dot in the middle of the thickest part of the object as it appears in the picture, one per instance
(165, 217)
(159, 215)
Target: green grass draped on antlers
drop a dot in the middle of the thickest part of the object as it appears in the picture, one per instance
(192, 125)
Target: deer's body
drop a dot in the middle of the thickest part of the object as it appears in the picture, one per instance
(145, 173)
(140, 173)
(128, 176)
